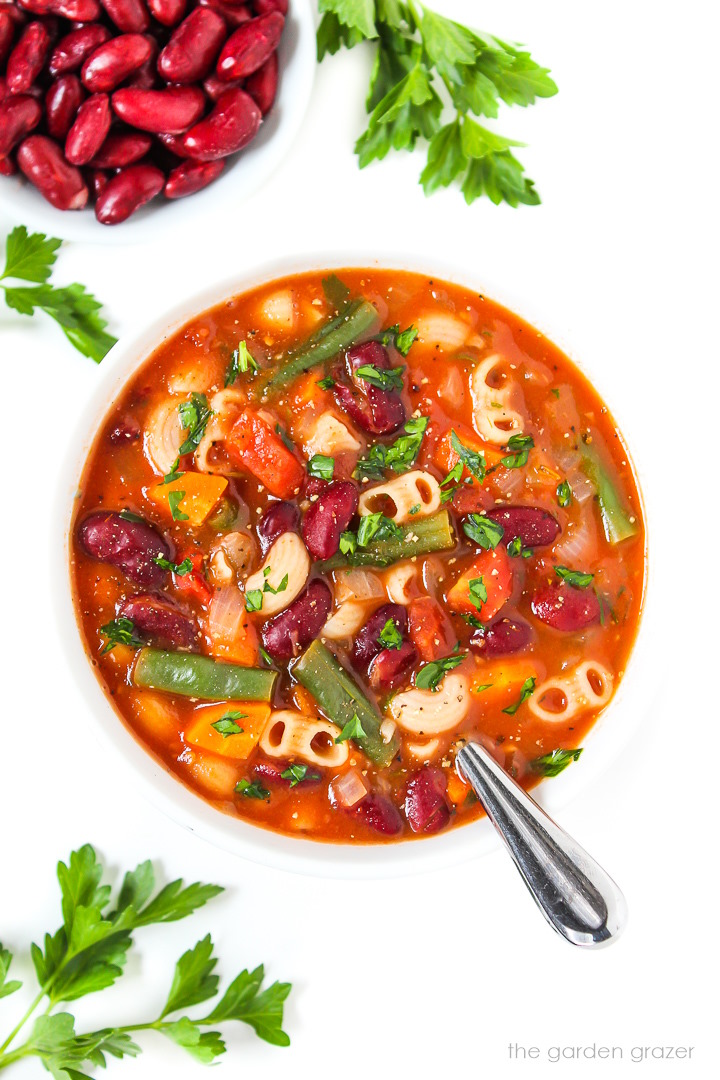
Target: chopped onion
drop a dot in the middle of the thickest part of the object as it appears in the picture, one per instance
(452, 389)
(357, 585)
(226, 615)
(348, 789)
(278, 310)
(577, 547)
(239, 551)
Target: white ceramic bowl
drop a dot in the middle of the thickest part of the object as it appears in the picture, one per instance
(244, 173)
(603, 745)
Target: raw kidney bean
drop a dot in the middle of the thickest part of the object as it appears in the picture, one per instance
(564, 607)
(249, 46)
(501, 638)
(43, 163)
(62, 102)
(72, 51)
(159, 621)
(378, 412)
(7, 33)
(329, 516)
(293, 629)
(534, 526)
(279, 518)
(174, 144)
(167, 12)
(262, 85)
(37, 7)
(89, 130)
(130, 16)
(130, 546)
(27, 59)
(97, 179)
(233, 122)
(264, 7)
(127, 192)
(83, 11)
(367, 643)
(192, 176)
(214, 87)
(145, 78)
(425, 805)
(7, 167)
(193, 48)
(233, 16)
(18, 116)
(114, 61)
(379, 813)
(391, 667)
(122, 149)
(173, 110)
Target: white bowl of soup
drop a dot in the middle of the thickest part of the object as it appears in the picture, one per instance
(324, 525)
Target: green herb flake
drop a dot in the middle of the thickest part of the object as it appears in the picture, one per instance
(528, 688)
(253, 790)
(287, 441)
(477, 590)
(483, 530)
(431, 675)
(376, 527)
(552, 764)
(352, 730)
(326, 384)
(577, 578)
(120, 632)
(254, 600)
(227, 725)
(402, 340)
(520, 445)
(297, 773)
(348, 543)
(174, 500)
(390, 636)
(483, 686)
(399, 456)
(564, 493)
(180, 569)
(382, 378)
(240, 363)
(267, 587)
(321, 466)
(415, 509)
(473, 461)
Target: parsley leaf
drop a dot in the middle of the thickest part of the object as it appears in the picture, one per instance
(321, 466)
(521, 445)
(528, 688)
(483, 530)
(352, 730)
(577, 578)
(177, 568)
(348, 543)
(7, 987)
(377, 527)
(253, 790)
(564, 493)
(326, 383)
(382, 378)
(390, 636)
(227, 726)
(240, 362)
(174, 500)
(515, 549)
(399, 456)
(120, 632)
(268, 588)
(297, 773)
(254, 600)
(552, 764)
(473, 461)
(431, 675)
(477, 591)
(402, 340)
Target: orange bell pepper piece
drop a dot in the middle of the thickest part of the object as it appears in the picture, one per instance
(252, 719)
(200, 493)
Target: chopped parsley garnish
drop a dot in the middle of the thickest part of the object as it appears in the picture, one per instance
(555, 392)
(194, 415)
(528, 688)
(227, 726)
(564, 493)
(321, 466)
(472, 620)
(402, 340)
(348, 543)
(127, 515)
(120, 632)
(174, 500)
(483, 530)
(177, 568)
(240, 362)
(253, 790)
(483, 686)
(553, 763)
(326, 384)
(516, 550)
(399, 456)
(376, 527)
(473, 461)
(287, 441)
(352, 730)
(266, 656)
(297, 773)
(267, 587)
(382, 378)
(390, 636)
(477, 591)
(431, 675)
(415, 509)
(253, 600)
(450, 482)
(576, 578)
(520, 445)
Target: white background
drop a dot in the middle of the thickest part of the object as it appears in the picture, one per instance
(432, 975)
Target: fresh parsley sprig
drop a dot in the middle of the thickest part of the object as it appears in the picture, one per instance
(29, 258)
(430, 77)
(88, 953)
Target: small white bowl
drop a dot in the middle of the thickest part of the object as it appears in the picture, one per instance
(603, 745)
(244, 173)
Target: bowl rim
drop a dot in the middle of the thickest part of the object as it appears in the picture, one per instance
(609, 735)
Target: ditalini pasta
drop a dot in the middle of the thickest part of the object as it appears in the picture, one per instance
(331, 530)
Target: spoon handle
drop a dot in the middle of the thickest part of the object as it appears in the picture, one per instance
(575, 895)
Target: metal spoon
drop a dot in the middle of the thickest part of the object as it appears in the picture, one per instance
(579, 900)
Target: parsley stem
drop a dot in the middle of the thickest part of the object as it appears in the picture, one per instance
(20, 1025)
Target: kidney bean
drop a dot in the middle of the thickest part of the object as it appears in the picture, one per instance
(292, 630)
(264, 7)
(83, 11)
(501, 638)
(7, 166)
(167, 12)
(174, 144)
(127, 192)
(379, 813)
(534, 526)
(262, 85)
(233, 15)
(328, 517)
(172, 110)
(159, 621)
(279, 518)
(566, 608)
(271, 772)
(115, 61)
(72, 51)
(36, 7)
(129, 546)
(391, 667)
(233, 122)
(62, 102)
(367, 643)
(27, 59)
(19, 114)
(378, 412)
(192, 176)
(130, 16)
(126, 430)
(214, 87)
(426, 807)
(249, 46)
(43, 163)
(145, 78)
(193, 48)
(123, 148)
(89, 130)
(7, 34)
(97, 181)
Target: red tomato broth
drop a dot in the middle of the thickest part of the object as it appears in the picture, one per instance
(559, 407)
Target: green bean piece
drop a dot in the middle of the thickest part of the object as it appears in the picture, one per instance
(419, 538)
(201, 677)
(341, 699)
(331, 338)
(224, 515)
(616, 519)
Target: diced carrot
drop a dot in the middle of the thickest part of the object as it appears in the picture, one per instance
(496, 572)
(304, 700)
(457, 789)
(446, 457)
(254, 446)
(200, 493)
(242, 647)
(254, 716)
(193, 583)
(431, 631)
(499, 684)
(307, 392)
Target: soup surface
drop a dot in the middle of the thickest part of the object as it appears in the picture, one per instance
(336, 526)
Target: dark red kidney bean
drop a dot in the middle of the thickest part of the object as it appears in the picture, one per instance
(7, 166)
(264, 7)
(279, 518)
(233, 16)
(36, 7)
(127, 192)
(7, 34)
(262, 85)
(173, 143)
(391, 667)
(379, 813)
(19, 115)
(126, 430)
(72, 51)
(425, 805)
(62, 102)
(378, 412)
(97, 180)
(130, 16)
(214, 87)
(249, 46)
(27, 59)
(367, 643)
(115, 61)
(501, 638)
(82, 11)
(158, 621)
(329, 516)
(89, 130)
(124, 148)
(314, 485)
(167, 12)
(566, 608)
(3, 88)
(193, 48)
(534, 526)
(145, 78)
(233, 122)
(129, 546)
(172, 111)
(192, 176)
(43, 163)
(293, 629)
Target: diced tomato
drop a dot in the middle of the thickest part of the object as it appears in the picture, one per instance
(495, 569)
(193, 583)
(471, 499)
(431, 631)
(254, 446)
